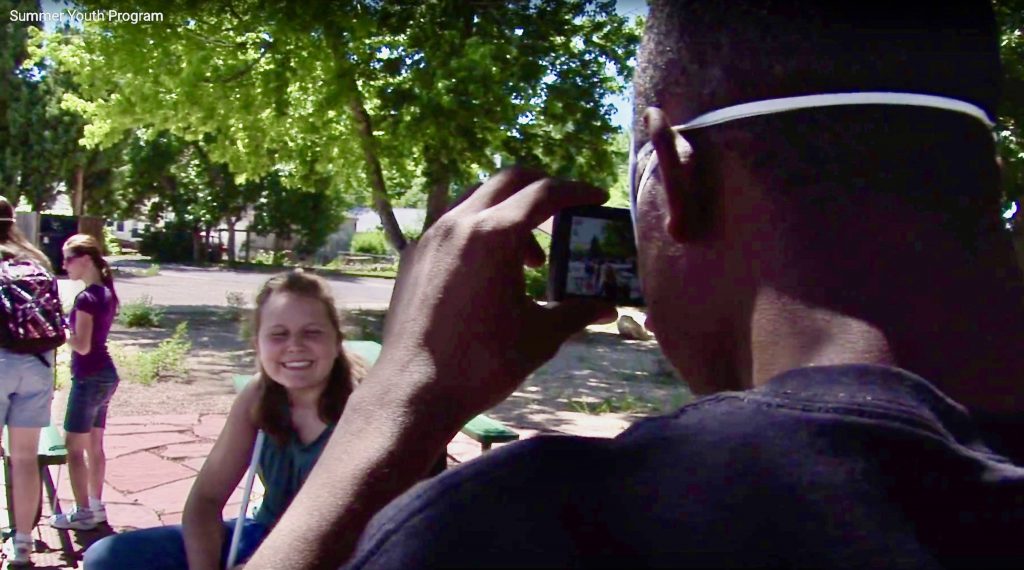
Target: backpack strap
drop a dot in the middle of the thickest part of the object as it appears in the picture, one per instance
(43, 360)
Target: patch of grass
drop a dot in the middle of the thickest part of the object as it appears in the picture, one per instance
(148, 366)
(679, 399)
(238, 311)
(625, 404)
(151, 271)
(383, 272)
(140, 313)
(62, 366)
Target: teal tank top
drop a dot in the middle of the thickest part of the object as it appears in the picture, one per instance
(283, 470)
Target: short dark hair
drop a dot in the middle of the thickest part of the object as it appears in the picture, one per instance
(717, 54)
(700, 56)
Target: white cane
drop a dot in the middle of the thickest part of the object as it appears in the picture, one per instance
(249, 477)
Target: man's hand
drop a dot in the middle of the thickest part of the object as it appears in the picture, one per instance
(461, 334)
(460, 307)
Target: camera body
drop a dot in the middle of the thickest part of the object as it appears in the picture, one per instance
(593, 254)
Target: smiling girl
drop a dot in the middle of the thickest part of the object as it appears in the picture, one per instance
(304, 379)
(93, 380)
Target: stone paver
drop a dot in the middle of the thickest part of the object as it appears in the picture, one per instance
(143, 470)
(118, 445)
(210, 425)
(185, 420)
(129, 429)
(152, 463)
(129, 517)
(188, 450)
(169, 498)
(196, 463)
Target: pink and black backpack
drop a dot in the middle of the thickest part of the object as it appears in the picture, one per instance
(31, 315)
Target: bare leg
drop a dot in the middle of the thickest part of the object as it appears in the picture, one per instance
(97, 463)
(25, 476)
(78, 471)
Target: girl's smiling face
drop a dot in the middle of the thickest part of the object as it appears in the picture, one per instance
(296, 342)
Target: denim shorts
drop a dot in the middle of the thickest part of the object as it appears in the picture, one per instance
(26, 389)
(87, 404)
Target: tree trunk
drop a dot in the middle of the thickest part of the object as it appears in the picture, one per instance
(437, 200)
(381, 203)
(197, 245)
(348, 85)
(79, 191)
(231, 239)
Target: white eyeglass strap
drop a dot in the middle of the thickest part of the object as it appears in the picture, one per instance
(769, 106)
(772, 106)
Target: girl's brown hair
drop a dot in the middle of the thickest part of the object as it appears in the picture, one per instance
(85, 244)
(271, 412)
(13, 244)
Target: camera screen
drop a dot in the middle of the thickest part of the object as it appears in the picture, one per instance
(602, 261)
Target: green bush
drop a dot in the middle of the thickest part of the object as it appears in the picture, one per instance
(110, 243)
(167, 359)
(140, 313)
(537, 278)
(537, 282)
(373, 243)
(268, 257)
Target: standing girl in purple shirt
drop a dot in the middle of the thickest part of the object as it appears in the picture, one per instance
(93, 380)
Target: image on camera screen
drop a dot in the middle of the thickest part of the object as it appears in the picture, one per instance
(602, 261)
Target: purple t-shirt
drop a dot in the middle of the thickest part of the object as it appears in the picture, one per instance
(98, 301)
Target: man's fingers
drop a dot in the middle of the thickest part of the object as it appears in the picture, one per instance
(499, 187)
(544, 198)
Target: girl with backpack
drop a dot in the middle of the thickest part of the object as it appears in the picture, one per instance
(93, 381)
(26, 391)
(304, 379)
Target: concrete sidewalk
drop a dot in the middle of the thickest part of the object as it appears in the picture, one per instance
(152, 462)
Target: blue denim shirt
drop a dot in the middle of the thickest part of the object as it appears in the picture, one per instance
(826, 467)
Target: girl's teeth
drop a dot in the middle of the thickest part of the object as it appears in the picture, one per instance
(294, 365)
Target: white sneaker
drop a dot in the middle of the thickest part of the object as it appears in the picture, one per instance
(99, 514)
(18, 553)
(78, 519)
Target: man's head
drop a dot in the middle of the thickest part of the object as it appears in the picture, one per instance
(769, 201)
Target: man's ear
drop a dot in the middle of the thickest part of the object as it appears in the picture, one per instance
(689, 204)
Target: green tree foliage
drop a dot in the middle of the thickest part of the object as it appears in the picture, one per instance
(373, 243)
(362, 99)
(38, 139)
(1010, 14)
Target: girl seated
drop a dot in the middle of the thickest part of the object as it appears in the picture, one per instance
(304, 380)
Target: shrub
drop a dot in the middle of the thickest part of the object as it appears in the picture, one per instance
(167, 359)
(537, 282)
(373, 243)
(268, 257)
(110, 242)
(537, 278)
(140, 313)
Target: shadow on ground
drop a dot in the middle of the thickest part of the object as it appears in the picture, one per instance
(598, 383)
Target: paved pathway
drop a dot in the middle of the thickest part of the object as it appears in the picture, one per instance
(152, 462)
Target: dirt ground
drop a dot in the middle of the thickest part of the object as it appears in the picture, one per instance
(596, 385)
